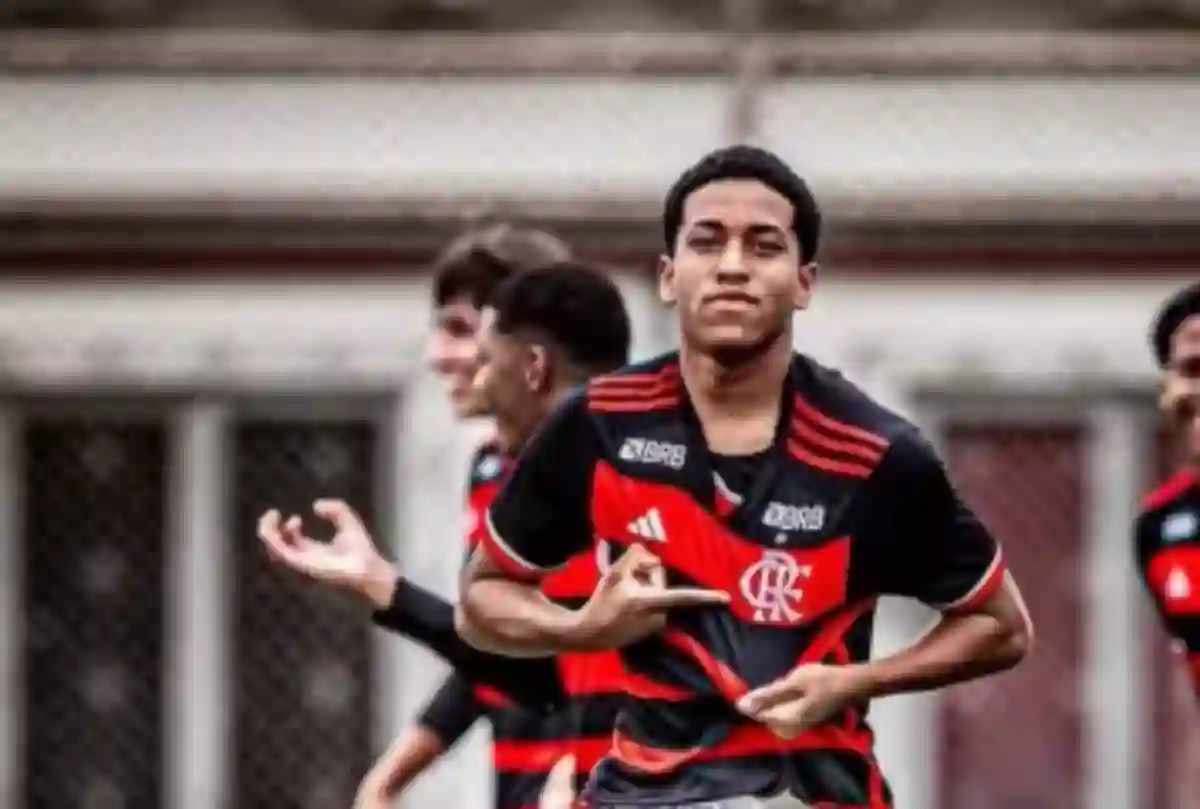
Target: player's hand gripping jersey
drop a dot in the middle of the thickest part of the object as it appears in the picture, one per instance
(528, 740)
(1168, 558)
(850, 504)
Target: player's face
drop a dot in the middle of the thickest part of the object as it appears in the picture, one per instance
(737, 276)
(452, 353)
(1181, 396)
(507, 376)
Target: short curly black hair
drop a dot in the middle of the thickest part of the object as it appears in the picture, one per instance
(476, 263)
(1179, 307)
(575, 307)
(744, 162)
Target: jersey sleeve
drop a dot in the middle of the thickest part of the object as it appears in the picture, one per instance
(930, 545)
(485, 476)
(1171, 576)
(541, 516)
(451, 711)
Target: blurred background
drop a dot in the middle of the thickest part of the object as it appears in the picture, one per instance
(215, 220)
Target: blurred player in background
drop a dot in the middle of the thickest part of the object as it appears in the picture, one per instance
(544, 332)
(465, 276)
(1167, 535)
(763, 504)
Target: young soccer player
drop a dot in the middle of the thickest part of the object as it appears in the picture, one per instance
(762, 503)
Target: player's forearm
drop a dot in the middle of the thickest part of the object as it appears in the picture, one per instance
(960, 647)
(430, 620)
(421, 615)
(509, 618)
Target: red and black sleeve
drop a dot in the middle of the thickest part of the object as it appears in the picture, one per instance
(1171, 574)
(542, 515)
(929, 545)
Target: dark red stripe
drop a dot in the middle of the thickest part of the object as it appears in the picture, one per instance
(832, 633)
(1171, 489)
(639, 391)
(577, 579)
(806, 433)
(742, 742)
(636, 406)
(727, 681)
(669, 371)
(490, 697)
(636, 384)
(848, 468)
(598, 673)
(839, 428)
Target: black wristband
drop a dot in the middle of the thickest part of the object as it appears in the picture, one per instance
(419, 614)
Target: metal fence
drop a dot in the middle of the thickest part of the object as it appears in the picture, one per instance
(97, 511)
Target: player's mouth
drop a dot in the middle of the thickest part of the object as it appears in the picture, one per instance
(731, 299)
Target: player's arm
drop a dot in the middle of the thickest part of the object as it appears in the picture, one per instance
(351, 560)
(444, 720)
(538, 520)
(429, 620)
(1180, 617)
(938, 552)
(919, 541)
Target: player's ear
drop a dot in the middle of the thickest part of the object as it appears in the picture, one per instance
(807, 281)
(666, 280)
(538, 370)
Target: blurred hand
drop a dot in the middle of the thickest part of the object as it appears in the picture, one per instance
(349, 560)
(559, 791)
(632, 602)
(808, 696)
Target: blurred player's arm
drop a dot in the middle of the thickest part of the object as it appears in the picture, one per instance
(352, 561)
(429, 620)
(445, 719)
(539, 520)
(934, 550)
(1180, 617)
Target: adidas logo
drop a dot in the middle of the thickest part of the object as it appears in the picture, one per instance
(648, 526)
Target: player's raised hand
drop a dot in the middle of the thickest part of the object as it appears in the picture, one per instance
(632, 600)
(349, 560)
(559, 790)
(808, 696)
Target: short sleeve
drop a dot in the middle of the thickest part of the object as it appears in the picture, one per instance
(1171, 575)
(541, 516)
(451, 711)
(927, 544)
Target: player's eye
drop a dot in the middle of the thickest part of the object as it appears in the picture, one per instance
(768, 247)
(458, 328)
(1189, 367)
(704, 242)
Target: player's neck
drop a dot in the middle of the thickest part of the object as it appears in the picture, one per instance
(515, 433)
(737, 402)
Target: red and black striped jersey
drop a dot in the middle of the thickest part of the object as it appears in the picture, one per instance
(850, 503)
(526, 742)
(1167, 542)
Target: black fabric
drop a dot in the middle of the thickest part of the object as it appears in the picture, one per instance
(451, 711)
